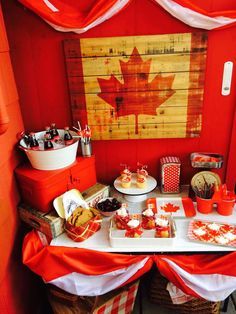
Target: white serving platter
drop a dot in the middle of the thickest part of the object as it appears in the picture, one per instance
(211, 238)
(117, 237)
(134, 193)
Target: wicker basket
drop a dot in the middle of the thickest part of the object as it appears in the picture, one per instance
(158, 294)
(116, 301)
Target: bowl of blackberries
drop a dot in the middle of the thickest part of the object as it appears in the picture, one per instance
(108, 206)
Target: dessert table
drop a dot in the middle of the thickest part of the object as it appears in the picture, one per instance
(94, 267)
(181, 244)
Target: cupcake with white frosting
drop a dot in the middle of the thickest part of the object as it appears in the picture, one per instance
(122, 217)
(148, 219)
(133, 229)
(162, 227)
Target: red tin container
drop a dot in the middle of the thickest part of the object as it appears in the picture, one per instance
(170, 174)
(39, 188)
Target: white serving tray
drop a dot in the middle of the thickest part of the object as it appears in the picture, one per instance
(117, 237)
(211, 241)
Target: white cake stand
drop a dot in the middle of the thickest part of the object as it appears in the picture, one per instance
(134, 193)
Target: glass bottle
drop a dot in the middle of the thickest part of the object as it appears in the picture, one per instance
(54, 132)
(68, 139)
(34, 144)
(47, 142)
(48, 132)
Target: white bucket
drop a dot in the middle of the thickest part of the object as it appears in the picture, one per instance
(51, 159)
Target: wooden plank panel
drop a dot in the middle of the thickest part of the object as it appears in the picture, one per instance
(91, 84)
(194, 116)
(145, 131)
(179, 98)
(97, 117)
(161, 44)
(139, 86)
(158, 64)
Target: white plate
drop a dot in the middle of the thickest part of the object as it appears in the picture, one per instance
(134, 190)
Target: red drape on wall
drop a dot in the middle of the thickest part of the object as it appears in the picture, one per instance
(70, 16)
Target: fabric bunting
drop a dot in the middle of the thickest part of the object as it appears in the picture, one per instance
(72, 16)
(89, 273)
(82, 271)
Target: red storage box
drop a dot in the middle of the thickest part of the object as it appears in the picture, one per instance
(39, 188)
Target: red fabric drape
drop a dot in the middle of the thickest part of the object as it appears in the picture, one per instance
(193, 6)
(51, 262)
(72, 16)
(210, 276)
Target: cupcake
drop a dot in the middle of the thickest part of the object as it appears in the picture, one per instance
(125, 172)
(125, 182)
(122, 217)
(141, 182)
(148, 219)
(133, 229)
(142, 173)
(162, 227)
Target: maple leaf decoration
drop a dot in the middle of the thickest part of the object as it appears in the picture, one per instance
(170, 208)
(136, 95)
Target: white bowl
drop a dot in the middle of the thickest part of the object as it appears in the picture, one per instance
(51, 159)
(110, 213)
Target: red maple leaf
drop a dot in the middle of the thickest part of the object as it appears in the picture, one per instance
(170, 208)
(136, 95)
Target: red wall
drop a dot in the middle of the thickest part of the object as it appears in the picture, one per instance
(18, 286)
(39, 67)
(37, 57)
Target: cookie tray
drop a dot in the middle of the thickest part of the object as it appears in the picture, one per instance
(211, 239)
(117, 237)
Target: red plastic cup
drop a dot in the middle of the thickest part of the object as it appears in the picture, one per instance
(225, 207)
(204, 206)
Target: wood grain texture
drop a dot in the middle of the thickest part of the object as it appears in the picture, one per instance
(138, 87)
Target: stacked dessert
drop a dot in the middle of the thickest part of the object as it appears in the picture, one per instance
(122, 217)
(142, 175)
(134, 225)
(133, 228)
(125, 177)
(140, 178)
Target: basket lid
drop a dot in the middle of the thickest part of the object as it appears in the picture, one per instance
(67, 202)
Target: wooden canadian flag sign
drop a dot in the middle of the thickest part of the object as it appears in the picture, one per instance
(138, 87)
